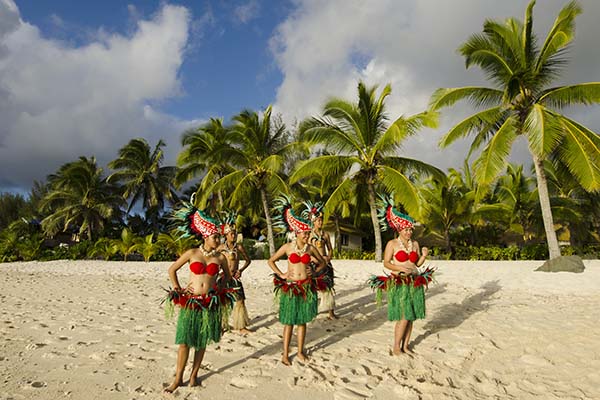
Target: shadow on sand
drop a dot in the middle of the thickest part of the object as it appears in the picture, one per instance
(452, 315)
(321, 336)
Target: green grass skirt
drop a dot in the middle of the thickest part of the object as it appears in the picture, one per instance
(405, 302)
(199, 327)
(296, 309)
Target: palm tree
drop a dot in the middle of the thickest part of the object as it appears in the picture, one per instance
(445, 208)
(363, 153)
(146, 247)
(127, 244)
(143, 178)
(515, 202)
(78, 195)
(472, 198)
(175, 244)
(263, 148)
(524, 103)
(207, 150)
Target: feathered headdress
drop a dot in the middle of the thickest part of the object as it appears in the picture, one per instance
(389, 216)
(312, 210)
(228, 221)
(285, 218)
(193, 222)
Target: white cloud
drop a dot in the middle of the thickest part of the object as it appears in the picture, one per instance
(58, 102)
(324, 48)
(246, 12)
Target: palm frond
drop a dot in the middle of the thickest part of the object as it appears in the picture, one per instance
(493, 157)
(475, 122)
(560, 35)
(543, 131)
(405, 192)
(565, 96)
(581, 154)
(477, 96)
(345, 190)
(403, 164)
(402, 128)
(327, 165)
(229, 181)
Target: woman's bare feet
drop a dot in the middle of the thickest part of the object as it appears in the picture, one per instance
(173, 386)
(286, 361)
(332, 315)
(245, 331)
(302, 357)
(194, 381)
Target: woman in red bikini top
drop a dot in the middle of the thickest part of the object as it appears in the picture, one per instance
(205, 263)
(299, 254)
(402, 255)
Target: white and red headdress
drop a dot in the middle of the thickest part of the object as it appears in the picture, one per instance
(193, 222)
(286, 219)
(389, 216)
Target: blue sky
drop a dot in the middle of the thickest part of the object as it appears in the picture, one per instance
(82, 78)
(228, 65)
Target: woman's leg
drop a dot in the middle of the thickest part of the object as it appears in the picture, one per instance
(399, 332)
(182, 357)
(406, 338)
(287, 337)
(198, 356)
(301, 337)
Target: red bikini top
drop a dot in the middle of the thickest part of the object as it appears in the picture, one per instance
(404, 256)
(294, 258)
(199, 268)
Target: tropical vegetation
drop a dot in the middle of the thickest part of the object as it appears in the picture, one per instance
(352, 150)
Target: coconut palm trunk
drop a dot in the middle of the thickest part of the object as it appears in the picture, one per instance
(542, 185)
(375, 221)
(270, 237)
(338, 233)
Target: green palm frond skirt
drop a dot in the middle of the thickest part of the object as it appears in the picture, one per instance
(297, 300)
(405, 294)
(200, 316)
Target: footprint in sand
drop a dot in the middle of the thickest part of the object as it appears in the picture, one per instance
(242, 382)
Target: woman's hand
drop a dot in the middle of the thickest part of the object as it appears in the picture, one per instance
(424, 251)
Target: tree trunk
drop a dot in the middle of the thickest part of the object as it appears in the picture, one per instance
(542, 185)
(473, 235)
(220, 197)
(338, 234)
(270, 237)
(375, 220)
(447, 240)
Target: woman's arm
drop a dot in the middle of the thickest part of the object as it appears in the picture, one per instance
(247, 259)
(423, 253)
(185, 257)
(314, 252)
(271, 261)
(328, 247)
(224, 262)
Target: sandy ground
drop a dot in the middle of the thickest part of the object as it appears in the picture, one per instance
(494, 330)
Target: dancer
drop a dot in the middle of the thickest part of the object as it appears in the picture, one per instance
(295, 287)
(405, 287)
(233, 251)
(202, 303)
(320, 239)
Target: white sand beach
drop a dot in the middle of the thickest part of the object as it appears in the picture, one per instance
(494, 330)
